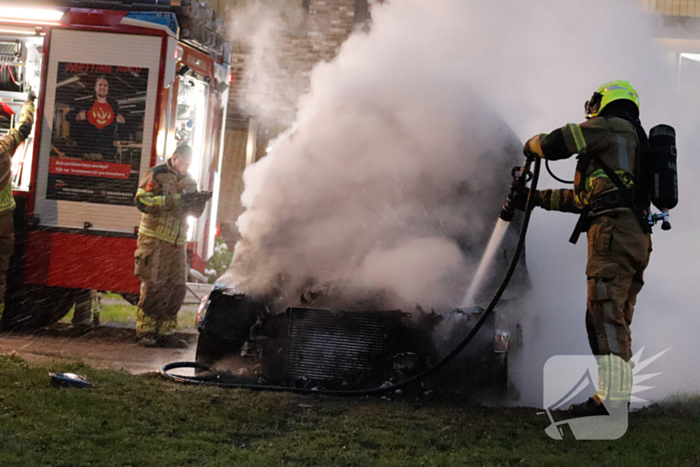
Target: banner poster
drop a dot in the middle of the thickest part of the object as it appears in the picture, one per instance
(96, 142)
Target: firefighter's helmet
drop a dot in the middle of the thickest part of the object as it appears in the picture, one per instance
(609, 92)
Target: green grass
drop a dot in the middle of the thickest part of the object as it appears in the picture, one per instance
(125, 314)
(147, 421)
(114, 296)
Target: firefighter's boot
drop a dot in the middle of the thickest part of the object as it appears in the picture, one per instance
(586, 409)
(147, 339)
(172, 342)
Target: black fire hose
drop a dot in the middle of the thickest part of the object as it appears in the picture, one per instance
(568, 182)
(212, 375)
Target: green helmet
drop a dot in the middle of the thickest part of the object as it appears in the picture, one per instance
(609, 92)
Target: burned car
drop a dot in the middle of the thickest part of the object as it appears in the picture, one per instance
(354, 258)
(335, 349)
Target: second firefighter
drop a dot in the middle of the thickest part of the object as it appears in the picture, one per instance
(167, 196)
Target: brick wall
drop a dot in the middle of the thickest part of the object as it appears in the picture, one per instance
(320, 29)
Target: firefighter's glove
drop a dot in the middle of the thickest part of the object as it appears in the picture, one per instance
(533, 146)
(31, 97)
(26, 118)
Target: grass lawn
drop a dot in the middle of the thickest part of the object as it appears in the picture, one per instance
(147, 421)
(125, 314)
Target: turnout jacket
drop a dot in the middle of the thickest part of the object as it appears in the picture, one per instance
(612, 139)
(159, 198)
(8, 146)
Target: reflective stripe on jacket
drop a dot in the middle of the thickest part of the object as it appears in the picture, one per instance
(158, 198)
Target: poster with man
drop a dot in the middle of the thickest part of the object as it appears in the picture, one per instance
(96, 141)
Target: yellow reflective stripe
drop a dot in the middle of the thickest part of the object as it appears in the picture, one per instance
(167, 327)
(148, 199)
(600, 173)
(155, 234)
(145, 323)
(615, 379)
(7, 201)
(620, 385)
(161, 235)
(579, 140)
(555, 200)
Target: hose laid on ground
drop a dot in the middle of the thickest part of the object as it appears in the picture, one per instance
(212, 375)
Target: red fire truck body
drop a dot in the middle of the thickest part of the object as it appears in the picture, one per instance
(75, 178)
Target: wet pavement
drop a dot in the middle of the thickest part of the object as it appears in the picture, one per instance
(104, 347)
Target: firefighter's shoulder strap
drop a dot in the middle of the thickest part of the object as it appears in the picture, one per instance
(581, 225)
(627, 194)
(639, 188)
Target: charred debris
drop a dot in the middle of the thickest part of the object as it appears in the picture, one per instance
(312, 346)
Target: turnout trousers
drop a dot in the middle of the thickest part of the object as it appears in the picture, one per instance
(618, 254)
(162, 268)
(7, 246)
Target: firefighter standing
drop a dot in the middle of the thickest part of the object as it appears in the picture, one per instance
(166, 196)
(8, 146)
(611, 195)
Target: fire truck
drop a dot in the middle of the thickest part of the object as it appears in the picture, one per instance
(119, 86)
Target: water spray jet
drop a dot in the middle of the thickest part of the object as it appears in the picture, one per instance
(521, 176)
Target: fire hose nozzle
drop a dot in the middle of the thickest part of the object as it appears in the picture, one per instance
(521, 176)
(508, 210)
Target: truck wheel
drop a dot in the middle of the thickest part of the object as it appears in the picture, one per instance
(36, 306)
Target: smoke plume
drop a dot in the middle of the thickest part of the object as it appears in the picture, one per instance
(392, 178)
(270, 86)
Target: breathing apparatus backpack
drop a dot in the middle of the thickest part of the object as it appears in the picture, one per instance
(656, 175)
(662, 173)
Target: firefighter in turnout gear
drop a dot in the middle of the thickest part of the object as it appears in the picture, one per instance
(611, 196)
(167, 196)
(8, 146)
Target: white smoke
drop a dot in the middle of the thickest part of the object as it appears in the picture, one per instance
(357, 193)
(269, 90)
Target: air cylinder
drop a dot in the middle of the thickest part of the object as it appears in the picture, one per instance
(663, 172)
